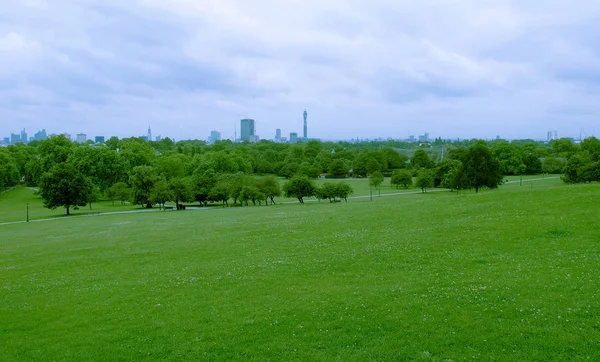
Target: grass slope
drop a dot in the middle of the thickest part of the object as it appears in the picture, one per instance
(509, 274)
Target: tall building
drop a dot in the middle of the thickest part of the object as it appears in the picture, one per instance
(278, 135)
(293, 137)
(550, 136)
(305, 115)
(40, 135)
(424, 138)
(23, 136)
(99, 139)
(15, 138)
(6, 140)
(158, 138)
(214, 137)
(247, 129)
(81, 138)
(149, 137)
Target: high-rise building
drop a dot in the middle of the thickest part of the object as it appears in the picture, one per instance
(81, 138)
(305, 115)
(293, 137)
(40, 135)
(23, 136)
(214, 137)
(247, 129)
(99, 139)
(424, 138)
(278, 135)
(158, 138)
(549, 135)
(149, 137)
(15, 138)
(6, 140)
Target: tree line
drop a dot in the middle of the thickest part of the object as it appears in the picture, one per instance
(149, 173)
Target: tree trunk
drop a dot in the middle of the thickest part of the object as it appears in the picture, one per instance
(68, 210)
(148, 206)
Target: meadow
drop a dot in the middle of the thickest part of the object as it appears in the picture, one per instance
(506, 274)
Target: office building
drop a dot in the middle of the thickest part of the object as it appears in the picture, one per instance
(81, 138)
(99, 139)
(305, 134)
(247, 129)
(424, 138)
(40, 135)
(293, 137)
(6, 140)
(149, 136)
(15, 138)
(278, 135)
(214, 137)
(23, 136)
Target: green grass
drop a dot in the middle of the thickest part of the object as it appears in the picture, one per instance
(13, 207)
(509, 274)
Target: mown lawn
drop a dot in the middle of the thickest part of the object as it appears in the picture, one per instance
(509, 274)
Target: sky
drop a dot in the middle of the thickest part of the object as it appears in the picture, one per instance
(361, 69)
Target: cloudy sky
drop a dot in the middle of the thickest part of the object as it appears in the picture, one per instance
(380, 68)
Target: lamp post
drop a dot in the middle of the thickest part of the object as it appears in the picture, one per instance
(27, 212)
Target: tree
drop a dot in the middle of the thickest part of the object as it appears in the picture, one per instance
(480, 168)
(160, 193)
(553, 165)
(578, 168)
(181, 191)
(402, 178)
(326, 191)
(251, 193)
(220, 192)
(65, 186)
(394, 158)
(343, 190)
(376, 180)
(9, 173)
(270, 187)
(142, 180)
(299, 187)
(120, 192)
(509, 157)
(338, 169)
(424, 180)
(420, 159)
(202, 183)
(442, 170)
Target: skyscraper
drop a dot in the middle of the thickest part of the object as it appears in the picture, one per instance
(149, 134)
(277, 135)
(305, 115)
(81, 138)
(247, 129)
(23, 136)
(293, 137)
(214, 137)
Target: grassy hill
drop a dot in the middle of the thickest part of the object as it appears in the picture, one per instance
(508, 274)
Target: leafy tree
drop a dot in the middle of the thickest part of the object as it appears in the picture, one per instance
(181, 191)
(563, 147)
(579, 168)
(338, 169)
(120, 192)
(21, 155)
(160, 193)
(103, 166)
(402, 178)
(9, 172)
(202, 184)
(299, 187)
(420, 159)
(137, 152)
(64, 186)
(481, 169)
(533, 164)
(326, 191)
(443, 168)
(142, 180)
(270, 187)
(171, 166)
(455, 179)
(343, 190)
(553, 165)
(220, 192)
(54, 150)
(509, 157)
(424, 180)
(394, 158)
(376, 180)
(591, 145)
(250, 193)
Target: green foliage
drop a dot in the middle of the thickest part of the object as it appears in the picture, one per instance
(509, 157)
(394, 159)
(420, 159)
(9, 172)
(101, 165)
(424, 180)
(553, 165)
(142, 180)
(299, 187)
(119, 192)
(137, 152)
(480, 168)
(270, 187)
(333, 190)
(581, 168)
(338, 169)
(376, 179)
(401, 178)
(592, 146)
(443, 169)
(160, 193)
(252, 193)
(64, 186)
(181, 190)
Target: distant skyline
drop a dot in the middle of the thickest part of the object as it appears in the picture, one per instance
(460, 69)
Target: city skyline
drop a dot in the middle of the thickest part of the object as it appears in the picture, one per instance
(464, 69)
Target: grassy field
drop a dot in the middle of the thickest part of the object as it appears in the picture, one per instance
(509, 274)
